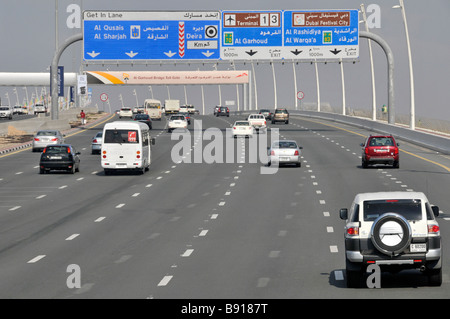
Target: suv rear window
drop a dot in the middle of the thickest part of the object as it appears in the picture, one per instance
(381, 141)
(281, 111)
(409, 208)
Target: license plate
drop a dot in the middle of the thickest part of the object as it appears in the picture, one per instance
(55, 157)
(121, 165)
(418, 248)
(284, 159)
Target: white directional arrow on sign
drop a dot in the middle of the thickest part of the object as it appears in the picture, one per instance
(207, 53)
(131, 54)
(170, 53)
(93, 54)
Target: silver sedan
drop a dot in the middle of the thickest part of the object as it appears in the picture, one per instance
(46, 137)
(285, 152)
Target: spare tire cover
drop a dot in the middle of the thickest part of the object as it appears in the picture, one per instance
(391, 234)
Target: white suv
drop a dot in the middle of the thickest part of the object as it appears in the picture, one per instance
(394, 230)
(126, 112)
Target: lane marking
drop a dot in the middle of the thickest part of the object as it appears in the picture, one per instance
(14, 208)
(36, 259)
(333, 249)
(165, 281)
(98, 220)
(203, 233)
(120, 205)
(187, 253)
(71, 237)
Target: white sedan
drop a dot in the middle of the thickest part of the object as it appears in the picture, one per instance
(242, 128)
(285, 152)
(177, 121)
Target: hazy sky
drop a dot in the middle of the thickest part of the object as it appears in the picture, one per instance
(27, 37)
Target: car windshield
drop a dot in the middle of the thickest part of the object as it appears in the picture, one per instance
(283, 144)
(408, 208)
(381, 141)
(46, 133)
(243, 123)
(121, 136)
(4, 108)
(57, 149)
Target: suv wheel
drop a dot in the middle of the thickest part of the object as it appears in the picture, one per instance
(391, 234)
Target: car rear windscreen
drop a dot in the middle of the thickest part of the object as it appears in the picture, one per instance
(121, 136)
(408, 208)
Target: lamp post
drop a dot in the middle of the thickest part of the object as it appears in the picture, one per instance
(374, 101)
(411, 75)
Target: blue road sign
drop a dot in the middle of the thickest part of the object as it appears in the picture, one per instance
(251, 35)
(321, 34)
(151, 35)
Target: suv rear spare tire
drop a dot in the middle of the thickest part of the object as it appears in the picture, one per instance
(391, 234)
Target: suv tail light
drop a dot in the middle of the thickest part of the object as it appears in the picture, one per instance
(296, 153)
(272, 153)
(36, 139)
(353, 231)
(433, 229)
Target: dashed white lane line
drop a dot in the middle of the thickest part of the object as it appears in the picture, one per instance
(203, 233)
(71, 237)
(41, 196)
(214, 216)
(62, 187)
(136, 194)
(338, 275)
(148, 185)
(14, 208)
(187, 253)
(120, 205)
(330, 229)
(262, 282)
(98, 220)
(221, 203)
(274, 254)
(165, 281)
(36, 259)
(333, 249)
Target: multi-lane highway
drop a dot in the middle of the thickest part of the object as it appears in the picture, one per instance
(204, 230)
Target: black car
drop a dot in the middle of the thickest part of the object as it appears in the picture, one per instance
(144, 118)
(59, 157)
(223, 111)
(187, 116)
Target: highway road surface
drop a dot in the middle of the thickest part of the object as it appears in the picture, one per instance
(205, 230)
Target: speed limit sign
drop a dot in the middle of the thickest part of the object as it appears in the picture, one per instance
(300, 95)
(104, 97)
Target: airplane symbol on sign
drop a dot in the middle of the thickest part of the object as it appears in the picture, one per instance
(230, 20)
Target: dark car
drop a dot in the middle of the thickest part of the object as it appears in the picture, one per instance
(144, 118)
(216, 108)
(223, 111)
(59, 157)
(266, 113)
(380, 149)
(187, 116)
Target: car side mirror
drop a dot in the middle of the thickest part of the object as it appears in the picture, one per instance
(398, 144)
(300, 147)
(435, 210)
(362, 144)
(343, 213)
(153, 141)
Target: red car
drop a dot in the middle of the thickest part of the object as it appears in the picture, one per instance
(380, 149)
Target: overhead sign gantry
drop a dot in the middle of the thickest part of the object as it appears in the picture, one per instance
(220, 35)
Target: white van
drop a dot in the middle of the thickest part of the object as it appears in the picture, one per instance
(153, 109)
(126, 146)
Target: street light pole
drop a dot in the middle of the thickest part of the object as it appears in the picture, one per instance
(374, 97)
(411, 75)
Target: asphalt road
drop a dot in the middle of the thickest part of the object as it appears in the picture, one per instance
(193, 229)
